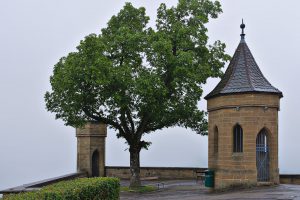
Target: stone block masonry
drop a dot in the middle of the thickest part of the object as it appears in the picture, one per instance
(253, 112)
(91, 149)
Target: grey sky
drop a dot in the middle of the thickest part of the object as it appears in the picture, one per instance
(34, 34)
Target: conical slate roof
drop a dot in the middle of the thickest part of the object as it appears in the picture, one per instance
(243, 75)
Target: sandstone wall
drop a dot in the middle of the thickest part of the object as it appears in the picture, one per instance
(252, 112)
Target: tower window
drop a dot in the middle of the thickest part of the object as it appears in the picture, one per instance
(237, 138)
(216, 139)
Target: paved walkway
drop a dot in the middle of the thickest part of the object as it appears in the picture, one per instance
(190, 190)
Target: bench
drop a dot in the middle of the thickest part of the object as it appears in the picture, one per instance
(149, 178)
(200, 175)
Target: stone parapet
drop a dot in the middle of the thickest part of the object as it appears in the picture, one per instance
(159, 172)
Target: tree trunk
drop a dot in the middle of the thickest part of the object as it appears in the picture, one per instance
(135, 167)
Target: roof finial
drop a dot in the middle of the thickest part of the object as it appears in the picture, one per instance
(243, 27)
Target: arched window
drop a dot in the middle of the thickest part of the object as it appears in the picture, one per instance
(95, 164)
(237, 138)
(216, 140)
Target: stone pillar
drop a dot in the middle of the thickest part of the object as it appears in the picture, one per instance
(91, 149)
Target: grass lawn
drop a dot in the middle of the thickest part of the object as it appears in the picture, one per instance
(142, 189)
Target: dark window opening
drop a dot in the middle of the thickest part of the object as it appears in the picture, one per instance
(237, 139)
(95, 164)
(216, 140)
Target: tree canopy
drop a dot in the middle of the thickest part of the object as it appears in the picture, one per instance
(138, 79)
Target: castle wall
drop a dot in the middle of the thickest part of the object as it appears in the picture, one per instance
(252, 112)
(156, 172)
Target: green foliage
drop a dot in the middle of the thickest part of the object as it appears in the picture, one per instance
(137, 79)
(80, 189)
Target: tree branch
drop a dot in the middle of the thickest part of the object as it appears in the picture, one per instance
(124, 121)
(106, 121)
(128, 114)
(142, 125)
(162, 124)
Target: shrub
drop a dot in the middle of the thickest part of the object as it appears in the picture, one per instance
(78, 189)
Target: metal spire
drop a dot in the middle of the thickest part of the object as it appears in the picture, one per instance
(243, 27)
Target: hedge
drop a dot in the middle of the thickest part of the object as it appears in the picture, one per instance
(78, 189)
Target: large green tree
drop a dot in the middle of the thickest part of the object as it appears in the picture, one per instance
(138, 79)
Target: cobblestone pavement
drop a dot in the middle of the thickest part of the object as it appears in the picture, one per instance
(190, 190)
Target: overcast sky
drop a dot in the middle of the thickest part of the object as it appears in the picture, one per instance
(34, 34)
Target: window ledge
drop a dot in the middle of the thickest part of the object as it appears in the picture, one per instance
(237, 155)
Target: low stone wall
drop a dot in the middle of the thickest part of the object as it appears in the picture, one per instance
(179, 173)
(290, 179)
(159, 172)
(37, 185)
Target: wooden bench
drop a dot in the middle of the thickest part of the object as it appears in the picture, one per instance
(200, 175)
(152, 178)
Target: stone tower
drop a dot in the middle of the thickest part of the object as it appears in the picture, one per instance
(243, 124)
(91, 149)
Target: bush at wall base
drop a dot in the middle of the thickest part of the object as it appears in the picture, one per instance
(102, 188)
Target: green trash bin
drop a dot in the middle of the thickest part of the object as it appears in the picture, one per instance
(209, 178)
